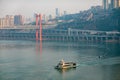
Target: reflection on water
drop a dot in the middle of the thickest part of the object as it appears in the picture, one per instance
(39, 47)
(64, 71)
(27, 60)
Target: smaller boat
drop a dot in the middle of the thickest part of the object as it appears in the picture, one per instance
(65, 65)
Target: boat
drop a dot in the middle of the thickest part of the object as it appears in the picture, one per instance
(65, 65)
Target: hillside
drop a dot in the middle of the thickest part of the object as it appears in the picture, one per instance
(92, 19)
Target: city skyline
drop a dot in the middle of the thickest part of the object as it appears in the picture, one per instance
(28, 8)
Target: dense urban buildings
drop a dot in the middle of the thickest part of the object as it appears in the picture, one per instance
(110, 5)
(15, 20)
(11, 21)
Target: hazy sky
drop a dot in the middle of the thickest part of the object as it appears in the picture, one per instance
(29, 7)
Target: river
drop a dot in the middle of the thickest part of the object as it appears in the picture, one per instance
(30, 60)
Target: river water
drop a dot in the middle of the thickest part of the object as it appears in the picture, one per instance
(30, 60)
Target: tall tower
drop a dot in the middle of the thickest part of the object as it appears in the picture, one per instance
(105, 4)
(57, 12)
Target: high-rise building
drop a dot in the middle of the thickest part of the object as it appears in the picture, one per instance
(118, 3)
(7, 21)
(18, 20)
(2, 22)
(115, 3)
(50, 17)
(65, 13)
(10, 20)
(105, 4)
(57, 12)
(112, 3)
(44, 18)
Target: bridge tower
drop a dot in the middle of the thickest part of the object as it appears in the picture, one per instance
(39, 28)
(39, 32)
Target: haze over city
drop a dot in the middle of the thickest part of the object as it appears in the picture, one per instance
(59, 39)
(29, 7)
